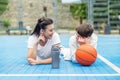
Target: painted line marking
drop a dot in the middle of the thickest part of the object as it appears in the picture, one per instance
(114, 67)
(60, 75)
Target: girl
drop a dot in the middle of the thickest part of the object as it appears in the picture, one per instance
(41, 41)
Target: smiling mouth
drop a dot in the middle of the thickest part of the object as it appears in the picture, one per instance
(50, 36)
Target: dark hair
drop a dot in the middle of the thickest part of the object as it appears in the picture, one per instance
(85, 30)
(41, 24)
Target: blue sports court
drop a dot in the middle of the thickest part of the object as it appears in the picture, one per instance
(13, 64)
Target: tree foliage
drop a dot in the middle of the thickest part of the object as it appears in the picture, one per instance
(3, 6)
(79, 11)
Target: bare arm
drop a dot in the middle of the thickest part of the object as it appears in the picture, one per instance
(32, 52)
(73, 46)
(45, 61)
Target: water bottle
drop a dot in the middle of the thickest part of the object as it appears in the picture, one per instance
(55, 57)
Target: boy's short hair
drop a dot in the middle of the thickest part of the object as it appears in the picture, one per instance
(85, 30)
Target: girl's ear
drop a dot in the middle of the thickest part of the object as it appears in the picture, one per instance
(41, 31)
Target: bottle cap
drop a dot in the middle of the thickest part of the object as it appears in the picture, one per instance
(55, 48)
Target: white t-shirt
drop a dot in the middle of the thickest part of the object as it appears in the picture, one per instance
(44, 52)
(74, 45)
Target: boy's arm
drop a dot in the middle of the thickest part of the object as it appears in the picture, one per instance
(93, 40)
(73, 46)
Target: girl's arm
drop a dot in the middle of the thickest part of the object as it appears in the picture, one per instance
(45, 61)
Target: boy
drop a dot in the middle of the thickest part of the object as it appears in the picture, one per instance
(84, 34)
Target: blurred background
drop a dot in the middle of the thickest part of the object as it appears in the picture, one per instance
(18, 17)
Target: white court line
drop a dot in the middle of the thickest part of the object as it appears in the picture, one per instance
(117, 69)
(84, 75)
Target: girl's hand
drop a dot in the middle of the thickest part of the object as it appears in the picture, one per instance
(41, 38)
(32, 61)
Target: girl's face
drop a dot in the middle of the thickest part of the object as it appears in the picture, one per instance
(81, 40)
(48, 32)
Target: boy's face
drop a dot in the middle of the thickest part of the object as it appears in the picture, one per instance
(82, 40)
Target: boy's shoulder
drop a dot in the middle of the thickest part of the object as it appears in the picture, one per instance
(93, 35)
(73, 39)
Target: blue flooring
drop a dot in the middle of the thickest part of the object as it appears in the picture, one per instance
(108, 47)
(59, 78)
(13, 51)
